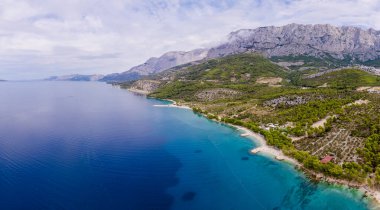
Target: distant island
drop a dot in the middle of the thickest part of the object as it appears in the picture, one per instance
(293, 46)
(76, 77)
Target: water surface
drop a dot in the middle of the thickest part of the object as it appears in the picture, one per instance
(83, 145)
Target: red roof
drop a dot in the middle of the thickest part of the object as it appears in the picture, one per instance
(327, 159)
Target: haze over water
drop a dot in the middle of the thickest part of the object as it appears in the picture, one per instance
(78, 145)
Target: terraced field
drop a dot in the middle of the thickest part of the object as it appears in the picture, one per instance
(337, 142)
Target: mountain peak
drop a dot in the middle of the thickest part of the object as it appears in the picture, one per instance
(298, 39)
(155, 65)
(318, 40)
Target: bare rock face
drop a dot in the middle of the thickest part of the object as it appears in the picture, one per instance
(296, 39)
(286, 101)
(169, 60)
(155, 65)
(216, 94)
(321, 41)
(289, 101)
(147, 86)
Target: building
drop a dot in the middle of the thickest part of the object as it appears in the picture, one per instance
(327, 159)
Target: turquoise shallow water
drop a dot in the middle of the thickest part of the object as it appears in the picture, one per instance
(66, 145)
(217, 166)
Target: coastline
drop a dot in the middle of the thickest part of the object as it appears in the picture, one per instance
(264, 149)
(173, 105)
(276, 154)
(272, 152)
(133, 90)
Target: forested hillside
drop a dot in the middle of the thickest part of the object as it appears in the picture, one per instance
(309, 114)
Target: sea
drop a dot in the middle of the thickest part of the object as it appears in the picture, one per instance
(91, 145)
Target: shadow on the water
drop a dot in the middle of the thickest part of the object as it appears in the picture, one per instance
(188, 196)
(302, 193)
(244, 158)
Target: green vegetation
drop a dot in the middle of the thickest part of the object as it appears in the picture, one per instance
(237, 72)
(242, 68)
(374, 63)
(274, 137)
(182, 90)
(309, 61)
(343, 79)
(305, 121)
(327, 62)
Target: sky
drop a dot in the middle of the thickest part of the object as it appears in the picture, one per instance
(42, 38)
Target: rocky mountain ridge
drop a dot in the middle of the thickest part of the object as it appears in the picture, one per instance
(156, 65)
(352, 44)
(145, 86)
(320, 40)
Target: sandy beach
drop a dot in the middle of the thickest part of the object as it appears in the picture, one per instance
(172, 106)
(264, 148)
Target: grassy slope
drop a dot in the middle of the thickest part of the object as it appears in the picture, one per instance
(326, 62)
(243, 68)
(346, 78)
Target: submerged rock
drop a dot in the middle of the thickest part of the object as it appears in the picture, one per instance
(244, 158)
(188, 196)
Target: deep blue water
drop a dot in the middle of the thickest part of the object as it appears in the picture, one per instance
(78, 145)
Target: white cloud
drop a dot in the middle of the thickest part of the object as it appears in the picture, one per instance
(42, 38)
(11, 10)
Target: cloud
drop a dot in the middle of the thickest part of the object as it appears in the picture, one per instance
(42, 38)
(100, 56)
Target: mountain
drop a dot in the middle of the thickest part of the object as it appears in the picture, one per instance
(239, 68)
(155, 65)
(332, 113)
(341, 78)
(326, 119)
(321, 41)
(293, 45)
(219, 74)
(168, 60)
(76, 77)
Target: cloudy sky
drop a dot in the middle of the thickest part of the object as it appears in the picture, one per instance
(40, 38)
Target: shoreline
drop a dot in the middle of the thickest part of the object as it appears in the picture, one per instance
(276, 154)
(133, 90)
(271, 152)
(172, 106)
(264, 149)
